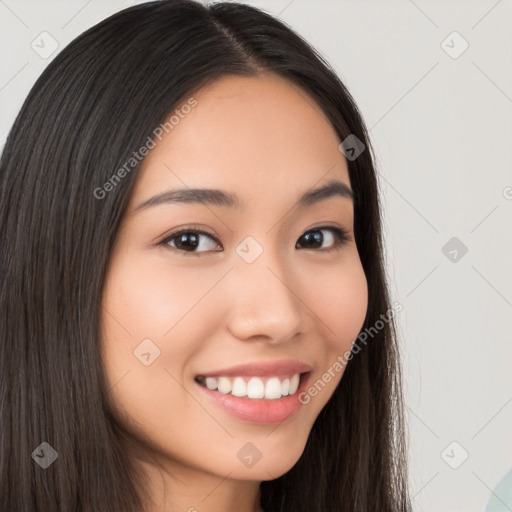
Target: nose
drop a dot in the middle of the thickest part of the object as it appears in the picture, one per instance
(264, 303)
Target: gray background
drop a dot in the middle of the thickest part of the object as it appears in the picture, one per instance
(441, 124)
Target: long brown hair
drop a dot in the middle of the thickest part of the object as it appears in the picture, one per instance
(94, 105)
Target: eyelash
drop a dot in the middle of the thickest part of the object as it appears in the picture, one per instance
(339, 233)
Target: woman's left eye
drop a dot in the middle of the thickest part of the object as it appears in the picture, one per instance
(190, 240)
(337, 235)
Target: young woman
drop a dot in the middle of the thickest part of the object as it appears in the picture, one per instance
(194, 312)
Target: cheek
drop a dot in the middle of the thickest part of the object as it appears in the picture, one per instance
(341, 298)
(145, 298)
(151, 299)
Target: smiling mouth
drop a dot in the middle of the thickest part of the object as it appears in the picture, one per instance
(254, 387)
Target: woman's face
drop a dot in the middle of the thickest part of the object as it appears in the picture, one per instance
(271, 281)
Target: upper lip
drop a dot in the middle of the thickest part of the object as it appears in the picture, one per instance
(262, 369)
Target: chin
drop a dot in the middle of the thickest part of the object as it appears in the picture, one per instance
(268, 462)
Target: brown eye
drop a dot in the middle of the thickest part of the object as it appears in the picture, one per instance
(315, 238)
(191, 240)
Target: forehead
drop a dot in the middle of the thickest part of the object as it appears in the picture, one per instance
(255, 136)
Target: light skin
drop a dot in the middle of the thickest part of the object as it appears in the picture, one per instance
(265, 140)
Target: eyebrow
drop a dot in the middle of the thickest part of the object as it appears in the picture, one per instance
(333, 188)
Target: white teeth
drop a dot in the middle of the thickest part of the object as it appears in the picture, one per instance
(224, 385)
(285, 387)
(294, 384)
(211, 383)
(273, 389)
(239, 387)
(254, 387)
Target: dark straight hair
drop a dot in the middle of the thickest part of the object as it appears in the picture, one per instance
(95, 105)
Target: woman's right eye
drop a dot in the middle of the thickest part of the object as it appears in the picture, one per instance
(191, 240)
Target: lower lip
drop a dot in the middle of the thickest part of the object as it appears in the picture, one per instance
(259, 411)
